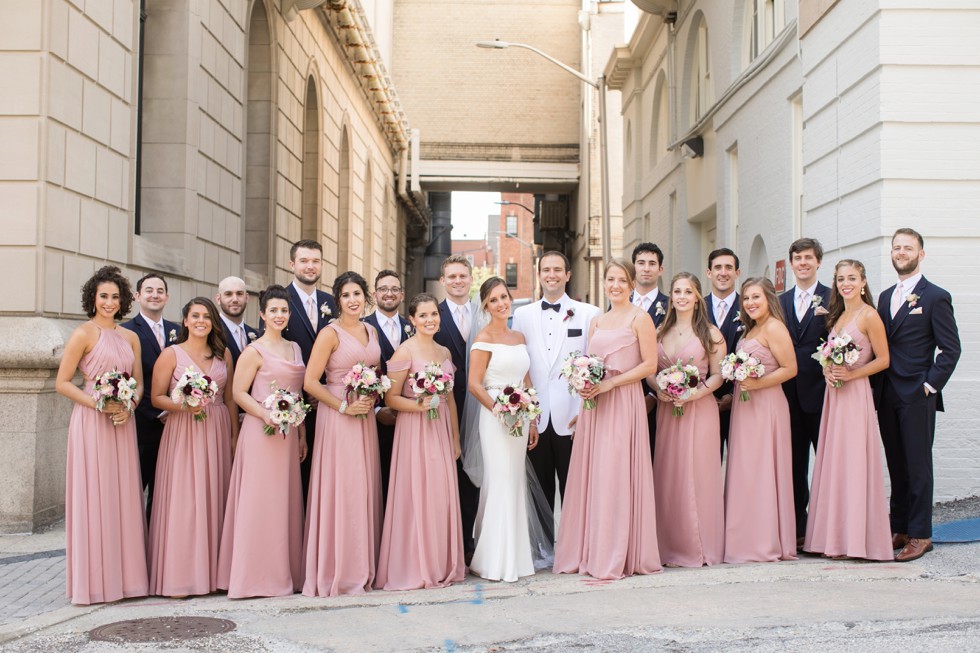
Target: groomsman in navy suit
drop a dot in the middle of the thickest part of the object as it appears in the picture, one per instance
(310, 309)
(924, 344)
(458, 317)
(392, 330)
(723, 307)
(155, 334)
(648, 260)
(232, 298)
(804, 307)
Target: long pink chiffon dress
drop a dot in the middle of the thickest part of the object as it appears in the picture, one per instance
(687, 474)
(191, 489)
(760, 520)
(343, 518)
(848, 505)
(105, 527)
(262, 538)
(422, 539)
(608, 523)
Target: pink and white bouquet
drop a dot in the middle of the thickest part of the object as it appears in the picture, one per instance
(515, 405)
(582, 372)
(194, 389)
(838, 350)
(679, 382)
(364, 380)
(740, 366)
(286, 409)
(431, 381)
(115, 386)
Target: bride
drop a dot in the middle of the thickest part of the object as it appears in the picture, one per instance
(506, 523)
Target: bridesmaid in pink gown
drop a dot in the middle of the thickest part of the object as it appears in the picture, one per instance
(105, 527)
(760, 520)
(261, 550)
(608, 525)
(848, 506)
(343, 519)
(422, 540)
(686, 473)
(194, 463)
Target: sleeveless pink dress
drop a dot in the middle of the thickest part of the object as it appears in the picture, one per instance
(343, 519)
(760, 520)
(608, 525)
(422, 540)
(262, 538)
(105, 527)
(687, 474)
(848, 505)
(193, 469)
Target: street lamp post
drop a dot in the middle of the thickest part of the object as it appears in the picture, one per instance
(600, 85)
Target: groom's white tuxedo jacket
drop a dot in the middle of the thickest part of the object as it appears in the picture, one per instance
(568, 333)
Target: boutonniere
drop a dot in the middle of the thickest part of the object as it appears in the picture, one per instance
(816, 301)
(251, 336)
(408, 331)
(172, 335)
(325, 310)
(570, 313)
(911, 298)
(660, 309)
(738, 318)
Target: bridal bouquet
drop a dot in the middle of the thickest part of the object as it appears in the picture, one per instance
(582, 372)
(287, 409)
(679, 382)
(428, 382)
(838, 350)
(514, 405)
(194, 389)
(740, 366)
(363, 380)
(115, 386)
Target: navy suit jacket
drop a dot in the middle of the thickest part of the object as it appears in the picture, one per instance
(914, 335)
(232, 345)
(731, 331)
(805, 391)
(663, 300)
(387, 349)
(149, 352)
(299, 329)
(449, 337)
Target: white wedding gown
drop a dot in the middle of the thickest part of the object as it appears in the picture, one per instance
(503, 543)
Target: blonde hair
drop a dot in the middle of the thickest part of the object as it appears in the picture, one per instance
(702, 327)
(769, 291)
(622, 264)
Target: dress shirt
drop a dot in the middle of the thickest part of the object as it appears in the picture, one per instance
(802, 294)
(729, 305)
(391, 326)
(157, 327)
(237, 332)
(553, 321)
(304, 299)
(650, 297)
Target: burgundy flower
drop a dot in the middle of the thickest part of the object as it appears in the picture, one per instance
(509, 390)
(187, 389)
(514, 398)
(283, 404)
(693, 382)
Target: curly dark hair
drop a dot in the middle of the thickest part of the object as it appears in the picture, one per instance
(216, 339)
(107, 274)
(351, 277)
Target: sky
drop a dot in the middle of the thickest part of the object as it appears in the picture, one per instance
(470, 211)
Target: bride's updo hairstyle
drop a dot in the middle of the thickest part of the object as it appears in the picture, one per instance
(488, 287)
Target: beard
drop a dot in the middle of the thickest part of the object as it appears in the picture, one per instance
(907, 267)
(310, 280)
(232, 311)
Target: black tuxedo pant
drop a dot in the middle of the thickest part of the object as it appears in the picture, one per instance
(469, 501)
(149, 432)
(805, 428)
(307, 463)
(907, 433)
(550, 460)
(725, 421)
(652, 427)
(386, 444)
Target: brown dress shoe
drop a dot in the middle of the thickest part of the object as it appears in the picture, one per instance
(899, 540)
(914, 550)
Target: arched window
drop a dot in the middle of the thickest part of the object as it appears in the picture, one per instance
(312, 228)
(367, 256)
(701, 92)
(343, 206)
(659, 128)
(259, 140)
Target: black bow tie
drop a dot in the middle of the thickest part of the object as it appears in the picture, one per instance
(545, 306)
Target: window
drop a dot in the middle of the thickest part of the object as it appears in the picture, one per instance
(511, 225)
(659, 130)
(764, 19)
(701, 95)
(511, 275)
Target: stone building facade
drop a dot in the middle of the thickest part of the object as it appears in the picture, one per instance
(839, 120)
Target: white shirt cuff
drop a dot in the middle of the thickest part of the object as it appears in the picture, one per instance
(931, 389)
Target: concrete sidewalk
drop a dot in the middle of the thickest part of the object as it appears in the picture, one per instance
(810, 605)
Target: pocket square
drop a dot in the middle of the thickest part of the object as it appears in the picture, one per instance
(916, 311)
(820, 310)
(574, 333)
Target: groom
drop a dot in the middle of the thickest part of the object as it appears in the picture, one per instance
(553, 328)
(924, 345)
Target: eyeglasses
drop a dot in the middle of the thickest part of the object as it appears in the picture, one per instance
(384, 290)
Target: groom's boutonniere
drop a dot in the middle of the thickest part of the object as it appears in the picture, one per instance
(325, 310)
(816, 301)
(251, 336)
(409, 332)
(912, 299)
(570, 313)
(660, 309)
(738, 318)
(172, 335)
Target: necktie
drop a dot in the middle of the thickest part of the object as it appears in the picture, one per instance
(721, 312)
(392, 332)
(158, 332)
(645, 303)
(546, 306)
(464, 327)
(802, 305)
(311, 312)
(241, 338)
(897, 298)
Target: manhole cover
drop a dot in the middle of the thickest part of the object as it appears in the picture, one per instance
(161, 629)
